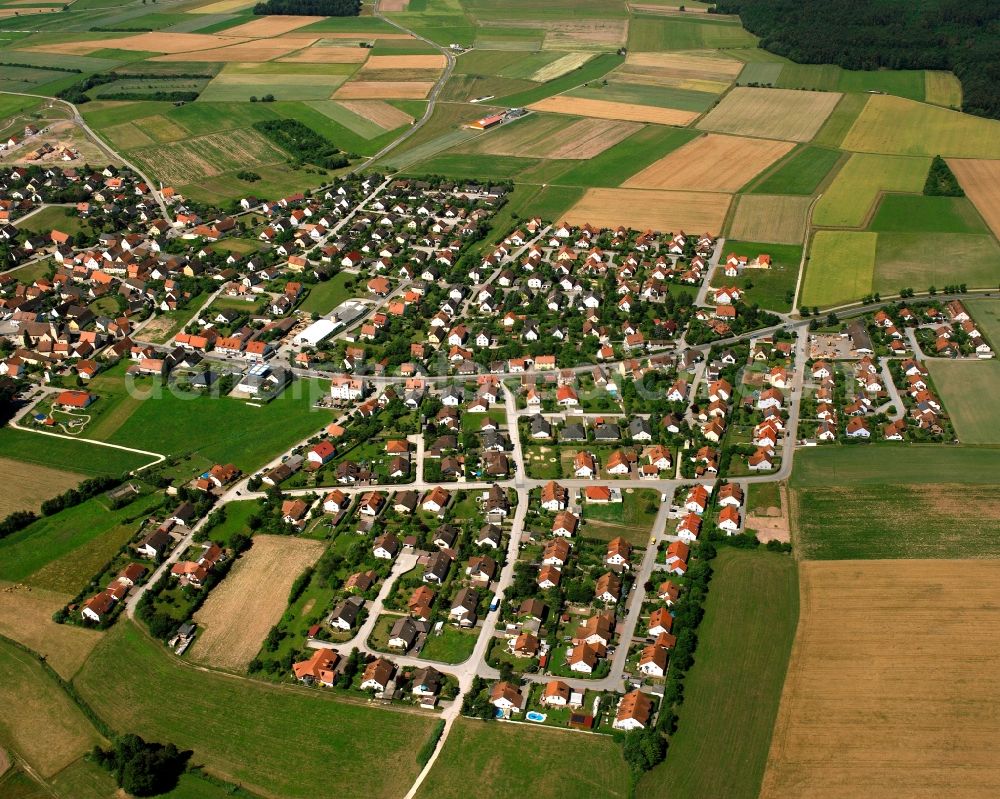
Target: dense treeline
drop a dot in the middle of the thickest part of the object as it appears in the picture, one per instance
(141, 768)
(318, 8)
(955, 35)
(941, 181)
(165, 97)
(305, 144)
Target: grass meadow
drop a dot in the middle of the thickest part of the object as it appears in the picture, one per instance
(907, 213)
(971, 393)
(801, 173)
(768, 288)
(912, 259)
(840, 268)
(849, 199)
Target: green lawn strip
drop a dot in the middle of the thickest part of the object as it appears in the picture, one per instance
(907, 213)
(617, 164)
(920, 260)
(840, 121)
(732, 693)
(236, 522)
(840, 268)
(595, 68)
(762, 496)
(801, 173)
(251, 732)
(538, 762)
(551, 202)
(451, 645)
(55, 217)
(768, 288)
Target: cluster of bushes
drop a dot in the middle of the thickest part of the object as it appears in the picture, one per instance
(141, 768)
(248, 176)
(77, 93)
(302, 142)
(941, 181)
(319, 8)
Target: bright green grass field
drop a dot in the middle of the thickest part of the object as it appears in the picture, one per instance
(768, 287)
(840, 268)
(763, 73)
(920, 260)
(817, 467)
(733, 691)
(595, 68)
(270, 738)
(551, 202)
(53, 218)
(907, 213)
(971, 394)
(800, 174)
(57, 453)
(986, 313)
(526, 761)
(324, 297)
(840, 121)
(831, 78)
(655, 33)
(848, 200)
(617, 164)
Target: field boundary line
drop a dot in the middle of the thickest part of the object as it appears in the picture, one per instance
(805, 253)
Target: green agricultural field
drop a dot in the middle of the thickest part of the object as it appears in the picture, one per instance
(496, 167)
(762, 73)
(839, 123)
(849, 199)
(108, 113)
(595, 68)
(249, 731)
(552, 9)
(551, 202)
(907, 213)
(656, 33)
(358, 125)
(56, 453)
(801, 173)
(732, 693)
(768, 288)
(465, 88)
(76, 542)
(840, 269)
(324, 297)
(539, 762)
(923, 464)
(22, 79)
(617, 164)
(971, 394)
(233, 86)
(316, 115)
(830, 78)
(986, 314)
(920, 260)
(639, 94)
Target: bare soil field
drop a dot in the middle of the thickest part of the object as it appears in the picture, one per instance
(405, 62)
(26, 485)
(561, 66)
(239, 612)
(643, 209)
(603, 109)
(327, 55)
(26, 616)
(383, 90)
(771, 113)
(270, 26)
(551, 137)
(386, 116)
(685, 65)
(777, 219)
(394, 5)
(154, 42)
(980, 178)
(893, 683)
(711, 163)
(247, 51)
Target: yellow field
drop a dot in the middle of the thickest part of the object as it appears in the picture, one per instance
(581, 34)
(779, 219)
(270, 26)
(711, 163)
(685, 65)
(239, 612)
(905, 127)
(405, 62)
(153, 42)
(893, 683)
(942, 88)
(642, 209)
(981, 181)
(561, 66)
(550, 137)
(603, 109)
(26, 485)
(327, 55)
(386, 116)
(26, 616)
(852, 194)
(383, 90)
(771, 113)
(222, 7)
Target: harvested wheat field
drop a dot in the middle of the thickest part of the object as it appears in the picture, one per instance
(980, 179)
(154, 42)
(222, 7)
(561, 66)
(251, 51)
(604, 109)
(777, 219)
(26, 616)
(386, 116)
(327, 55)
(26, 485)
(550, 137)
(579, 35)
(711, 163)
(383, 90)
(685, 65)
(406, 62)
(270, 26)
(771, 113)
(250, 600)
(393, 5)
(665, 211)
(893, 683)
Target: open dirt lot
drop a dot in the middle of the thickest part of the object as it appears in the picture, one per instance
(26, 616)
(386, 116)
(893, 683)
(406, 62)
(155, 42)
(771, 113)
(327, 55)
(603, 109)
(26, 485)
(981, 181)
(643, 209)
(778, 219)
(383, 89)
(239, 612)
(270, 26)
(711, 163)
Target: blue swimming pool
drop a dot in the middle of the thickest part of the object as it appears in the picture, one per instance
(534, 715)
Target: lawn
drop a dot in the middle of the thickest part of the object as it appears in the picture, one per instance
(324, 297)
(848, 200)
(762, 496)
(971, 393)
(915, 260)
(801, 173)
(768, 288)
(840, 268)
(632, 518)
(503, 760)
(54, 217)
(252, 732)
(58, 452)
(450, 646)
(907, 213)
(733, 691)
(237, 515)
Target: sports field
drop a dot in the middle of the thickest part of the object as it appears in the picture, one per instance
(971, 393)
(771, 113)
(840, 269)
(239, 612)
(732, 693)
(886, 695)
(248, 731)
(848, 200)
(711, 163)
(780, 219)
(539, 762)
(980, 180)
(903, 260)
(903, 127)
(644, 209)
